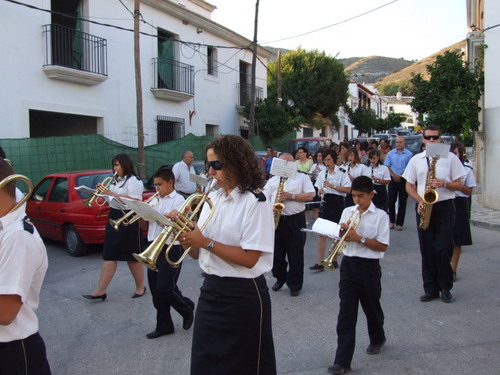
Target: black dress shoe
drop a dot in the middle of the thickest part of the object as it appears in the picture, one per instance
(338, 369)
(102, 297)
(155, 334)
(139, 295)
(277, 286)
(187, 322)
(317, 267)
(446, 296)
(335, 264)
(294, 293)
(428, 297)
(375, 349)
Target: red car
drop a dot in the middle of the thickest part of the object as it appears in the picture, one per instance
(57, 211)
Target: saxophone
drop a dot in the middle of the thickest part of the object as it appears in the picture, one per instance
(430, 196)
(278, 206)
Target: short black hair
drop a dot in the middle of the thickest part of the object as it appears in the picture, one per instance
(165, 174)
(332, 153)
(2, 153)
(6, 171)
(363, 184)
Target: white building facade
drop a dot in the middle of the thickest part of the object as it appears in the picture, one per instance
(63, 75)
(483, 26)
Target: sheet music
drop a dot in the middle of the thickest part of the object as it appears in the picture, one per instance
(326, 228)
(198, 180)
(85, 189)
(147, 212)
(437, 150)
(114, 202)
(283, 168)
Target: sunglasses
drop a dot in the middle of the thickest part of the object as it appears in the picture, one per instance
(215, 165)
(429, 137)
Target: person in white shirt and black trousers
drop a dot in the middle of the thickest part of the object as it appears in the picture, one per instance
(163, 283)
(360, 275)
(289, 240)
(436, 242)
(182, 170)
(23, 264)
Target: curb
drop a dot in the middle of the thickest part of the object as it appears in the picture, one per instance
(484, 225)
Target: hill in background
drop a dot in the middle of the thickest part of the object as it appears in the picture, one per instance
(372, 68)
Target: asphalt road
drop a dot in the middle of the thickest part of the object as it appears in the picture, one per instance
(463, 337)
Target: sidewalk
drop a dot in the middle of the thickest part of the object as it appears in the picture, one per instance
(483, 217)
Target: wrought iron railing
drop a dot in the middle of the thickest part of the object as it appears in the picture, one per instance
(75, 49)
(244, 93)
(173, 75)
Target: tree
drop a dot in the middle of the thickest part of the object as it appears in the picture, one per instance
(312, 83)
(393, 120)
(450, 96)
(364, 119)
(272, 120)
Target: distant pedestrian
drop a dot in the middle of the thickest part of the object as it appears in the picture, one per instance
(182, 170)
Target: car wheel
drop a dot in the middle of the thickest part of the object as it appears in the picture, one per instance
(73, 242)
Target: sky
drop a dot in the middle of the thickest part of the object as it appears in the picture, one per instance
(409, 29)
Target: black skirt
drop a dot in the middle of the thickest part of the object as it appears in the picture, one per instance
(461, 234)
(332, 207)
(380, 199)
(120, 244)
(232, 332)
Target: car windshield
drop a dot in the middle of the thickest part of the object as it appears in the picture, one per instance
(90, 180)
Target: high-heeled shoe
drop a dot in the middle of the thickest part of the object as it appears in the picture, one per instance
(102, 297)
(139, 295)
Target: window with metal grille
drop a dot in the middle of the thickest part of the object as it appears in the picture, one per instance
(307, 132)
(212, 130)
(169, 128)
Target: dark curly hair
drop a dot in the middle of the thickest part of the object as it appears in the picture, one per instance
(238, 161)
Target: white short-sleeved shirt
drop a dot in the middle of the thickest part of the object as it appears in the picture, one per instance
(23, 263)
(131, 186)
(301, 183)
(314, 172)
(448, 169)
(468, 180)
(358, 170)
(337, 178)
(380, 172)
(181, 172)
(172, 201)
(374, 224)
(239, 220)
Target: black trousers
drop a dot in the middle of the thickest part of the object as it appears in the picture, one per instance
(232, 332)
(21, 357)
(359, 284)
(166, 294)
(289, 244)
(436, 247)
(397, 189)
(380, 199)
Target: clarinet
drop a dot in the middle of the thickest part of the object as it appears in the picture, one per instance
(322, 196)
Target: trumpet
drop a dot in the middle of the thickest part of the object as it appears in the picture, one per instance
(128, 218)
(26, 180)
(100, 188)
(184, 223)
(339, 245)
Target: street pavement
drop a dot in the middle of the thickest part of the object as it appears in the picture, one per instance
(463, 337)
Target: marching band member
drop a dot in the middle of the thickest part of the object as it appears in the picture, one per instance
(381, 177)
(232, 329)
(355, 168)
(289, 240)
(333, 185)
(120, 244)
(23, 263)
(163, 284)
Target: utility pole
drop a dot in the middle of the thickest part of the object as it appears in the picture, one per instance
(138, 91)
(280, 98)
(251, 126)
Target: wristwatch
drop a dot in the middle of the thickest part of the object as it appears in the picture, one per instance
(210, 246)
(362, 241)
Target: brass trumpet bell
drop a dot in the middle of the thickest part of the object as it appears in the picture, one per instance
(131, 217)
(99, 190)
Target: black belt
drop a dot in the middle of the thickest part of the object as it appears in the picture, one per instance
(290, 216)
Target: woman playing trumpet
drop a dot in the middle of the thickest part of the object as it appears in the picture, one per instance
(120, 244)
(232, 328)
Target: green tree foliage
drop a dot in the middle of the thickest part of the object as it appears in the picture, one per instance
(405, 87)
(450, 97)
(312, 83)
(364, 119)
(273, 120)
(393, 120)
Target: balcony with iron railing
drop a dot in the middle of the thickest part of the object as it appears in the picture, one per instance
(244, 91)
(173, 80)
(74, 56)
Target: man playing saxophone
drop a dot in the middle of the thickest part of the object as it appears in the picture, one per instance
(289, 241)
(360, 275)
(436, 242)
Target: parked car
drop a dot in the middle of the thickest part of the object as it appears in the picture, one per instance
(58, 213)
(312, 144)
